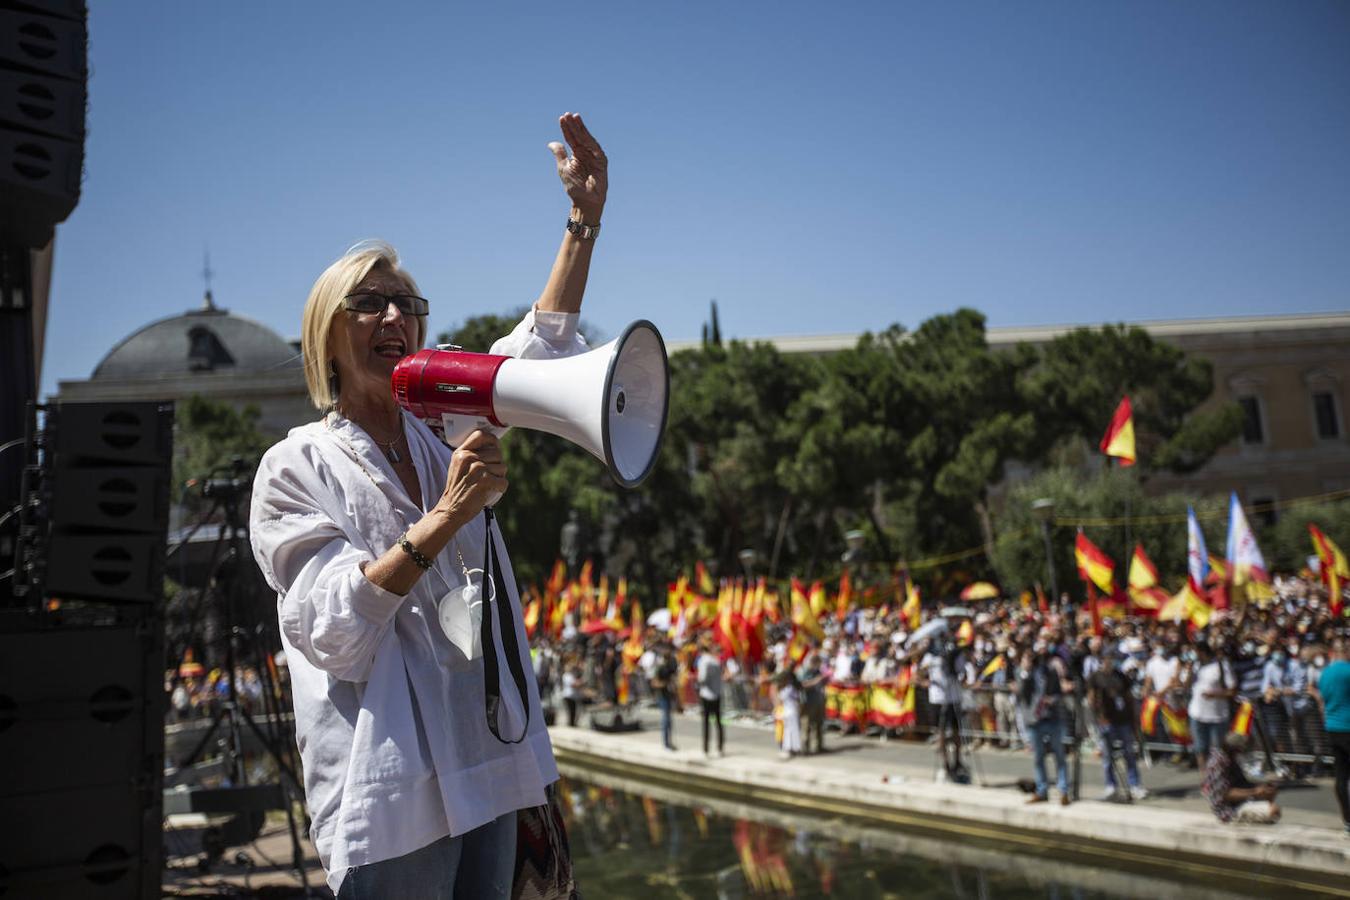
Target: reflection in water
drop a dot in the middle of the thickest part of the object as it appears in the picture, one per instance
(656, 844)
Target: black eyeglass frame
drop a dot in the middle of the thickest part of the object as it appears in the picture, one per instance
(408, 304)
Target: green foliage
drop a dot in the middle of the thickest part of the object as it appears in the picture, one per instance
(1083, 374)
(1287, 544)
(1019, 551)
(208, 436)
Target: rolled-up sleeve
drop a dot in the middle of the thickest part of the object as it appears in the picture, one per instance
(542, 334)
(327, 608)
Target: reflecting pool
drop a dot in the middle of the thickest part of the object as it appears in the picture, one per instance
(634, 839)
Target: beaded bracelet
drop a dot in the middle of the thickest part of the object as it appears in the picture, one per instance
(417, 555)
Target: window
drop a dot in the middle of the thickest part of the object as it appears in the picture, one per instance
(1324, 412)
(1252, 430)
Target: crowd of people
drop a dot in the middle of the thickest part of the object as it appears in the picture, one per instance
(1259, 689)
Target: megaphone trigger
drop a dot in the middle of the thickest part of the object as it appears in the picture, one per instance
(457, 428)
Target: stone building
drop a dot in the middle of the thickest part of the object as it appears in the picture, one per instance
(207, 351)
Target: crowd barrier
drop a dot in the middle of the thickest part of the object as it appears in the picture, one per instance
(1284, 733)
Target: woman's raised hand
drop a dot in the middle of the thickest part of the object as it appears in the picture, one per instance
(584, 174)
(476, 477)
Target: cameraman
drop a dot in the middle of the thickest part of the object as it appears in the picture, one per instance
(941, 670)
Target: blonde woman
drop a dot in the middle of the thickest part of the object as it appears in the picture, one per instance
(369, 527)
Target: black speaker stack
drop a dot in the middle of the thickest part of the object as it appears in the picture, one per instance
(82, 659)
(43, 77)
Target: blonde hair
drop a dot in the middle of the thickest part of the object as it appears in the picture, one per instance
(324, 304)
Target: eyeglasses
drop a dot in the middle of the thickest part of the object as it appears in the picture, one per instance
(371, 302)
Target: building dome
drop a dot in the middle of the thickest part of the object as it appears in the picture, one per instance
(199, 342)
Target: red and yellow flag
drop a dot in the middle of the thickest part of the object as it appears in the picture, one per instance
(702, 580)
(845, 597)
(910, 612)
(1335, 569)
(803, 615)
(1242, 721)
(1143, 580)
(1093, 565)
(1119, 438)
(819, 602)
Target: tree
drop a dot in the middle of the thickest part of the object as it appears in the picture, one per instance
(1019, 551)
(208, 436)
(1083, 374)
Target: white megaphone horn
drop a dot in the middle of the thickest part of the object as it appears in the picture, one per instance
(612, 400)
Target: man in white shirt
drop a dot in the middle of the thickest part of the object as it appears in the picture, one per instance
(1211, 688)
(940, 669)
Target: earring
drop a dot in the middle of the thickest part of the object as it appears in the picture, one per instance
(334, 385)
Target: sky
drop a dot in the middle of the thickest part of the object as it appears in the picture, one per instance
(815, 168)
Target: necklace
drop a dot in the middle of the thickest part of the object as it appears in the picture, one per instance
(390, 450)
(460, 611)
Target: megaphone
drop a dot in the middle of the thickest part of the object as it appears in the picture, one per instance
(612, 400)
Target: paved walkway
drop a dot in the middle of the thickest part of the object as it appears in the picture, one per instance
(1308, 802)
(892, 784)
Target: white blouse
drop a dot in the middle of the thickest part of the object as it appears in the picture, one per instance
(389, 713)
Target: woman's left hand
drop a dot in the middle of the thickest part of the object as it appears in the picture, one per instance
(585, 173)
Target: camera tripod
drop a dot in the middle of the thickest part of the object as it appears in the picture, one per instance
(242, 643)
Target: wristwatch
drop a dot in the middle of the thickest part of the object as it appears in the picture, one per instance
(585, 232)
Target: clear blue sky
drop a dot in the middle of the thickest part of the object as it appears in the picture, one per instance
(817, 168)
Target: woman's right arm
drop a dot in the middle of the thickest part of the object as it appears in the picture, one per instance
(477, 471)
(336, 602)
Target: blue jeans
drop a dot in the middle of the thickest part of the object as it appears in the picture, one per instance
(1051, 731)
(1207, 736)
(481, 863)
(663, 700)
(1124, 735)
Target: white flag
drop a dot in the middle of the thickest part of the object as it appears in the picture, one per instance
(1197, 557)
(1244, 557)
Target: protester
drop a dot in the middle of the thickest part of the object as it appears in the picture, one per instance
(664, 681)
(813, 677)
(789, 699)
(572, 690)
(1212, 684)
(1232, 797)
(1333, 689)
(365, 524)
(1042, 682)
(710, 692)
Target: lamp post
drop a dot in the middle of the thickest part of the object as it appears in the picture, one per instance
(1044, 510)
(748, 559)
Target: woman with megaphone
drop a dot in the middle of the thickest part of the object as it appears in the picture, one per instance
(418, 752)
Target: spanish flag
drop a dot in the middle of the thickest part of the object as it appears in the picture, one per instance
(995, 664)
(1242, 722)
(702, 580)
(1148, 716)
(910, 612)
(1144, 590)
(1094, 566)
(844, 600)
(1335, 569)
(1119, 438)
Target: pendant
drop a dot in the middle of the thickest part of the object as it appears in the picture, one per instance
(392, 453)
(461, 615)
